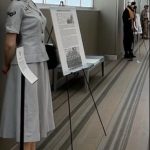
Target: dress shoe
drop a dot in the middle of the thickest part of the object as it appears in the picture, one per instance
(133, 56)
(130, 59)
(126, 56)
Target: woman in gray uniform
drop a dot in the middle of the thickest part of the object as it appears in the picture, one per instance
(25, 27)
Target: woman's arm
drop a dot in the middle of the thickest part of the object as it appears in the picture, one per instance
(9, 50)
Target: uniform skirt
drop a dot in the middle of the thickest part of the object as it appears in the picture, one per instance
(39, 118)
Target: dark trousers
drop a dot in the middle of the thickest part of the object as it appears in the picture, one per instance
(127, 43)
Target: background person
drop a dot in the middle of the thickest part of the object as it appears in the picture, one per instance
(128, 29)
(25, 27)
(144, 21)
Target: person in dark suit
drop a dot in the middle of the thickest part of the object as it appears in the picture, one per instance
(128, 29)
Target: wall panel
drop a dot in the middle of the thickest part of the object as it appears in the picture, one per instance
(107, 24)
(3, 8)
(89, 27)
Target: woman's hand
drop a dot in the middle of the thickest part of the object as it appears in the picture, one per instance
(9, 51)
(5, 69)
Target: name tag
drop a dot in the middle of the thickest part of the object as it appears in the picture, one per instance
(25, 70)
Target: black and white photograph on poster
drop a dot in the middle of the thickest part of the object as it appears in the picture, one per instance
(68, 38)
(73, 58)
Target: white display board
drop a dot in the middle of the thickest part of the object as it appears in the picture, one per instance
(68, 38)
(137, 25)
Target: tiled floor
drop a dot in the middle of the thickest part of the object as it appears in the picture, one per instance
(122, 98)
(140, 129)
(117, 96)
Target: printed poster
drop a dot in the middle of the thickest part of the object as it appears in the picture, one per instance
(68, 38)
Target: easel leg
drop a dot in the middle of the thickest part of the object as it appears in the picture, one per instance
(71, 135)
(22, 112)
(53, 79)
(94, 103)
(87, 77)
(102, 69)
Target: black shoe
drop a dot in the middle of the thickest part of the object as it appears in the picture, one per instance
(130, 59)
(126, 56)
(133, 56)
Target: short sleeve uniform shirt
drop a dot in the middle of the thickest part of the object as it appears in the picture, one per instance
(26, 20)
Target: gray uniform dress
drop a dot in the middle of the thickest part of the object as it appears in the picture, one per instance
(25, 19)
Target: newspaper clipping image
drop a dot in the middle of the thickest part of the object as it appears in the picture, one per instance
(68, 39)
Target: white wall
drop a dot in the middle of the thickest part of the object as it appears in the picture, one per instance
(110, 21)
(142, 3)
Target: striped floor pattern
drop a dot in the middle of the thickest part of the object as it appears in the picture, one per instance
(117, 96)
